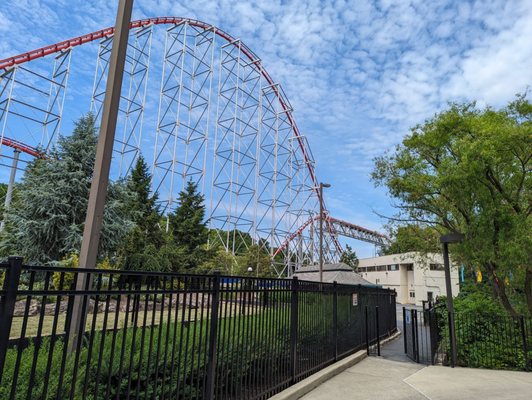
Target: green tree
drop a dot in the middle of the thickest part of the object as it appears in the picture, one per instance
(468, 169)
(188, 227)
(140, 250)
(256, 260)
(220, 261)
(349, 257)
(45, 221)
(413, 237)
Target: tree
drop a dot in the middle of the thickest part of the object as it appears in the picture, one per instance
(146, 237)
(255, 259)
(188, 227)
(45, 220)
(468, 169)
(413, 237)
(349, 257)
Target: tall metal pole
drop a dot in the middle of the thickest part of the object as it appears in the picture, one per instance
(321, 232)
(450, 306)
(98, 192)
(322, 185)
(10, 186)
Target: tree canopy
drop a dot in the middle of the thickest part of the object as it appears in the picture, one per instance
(45, 220)
(412, 237)
(349, 257)
(468, 169)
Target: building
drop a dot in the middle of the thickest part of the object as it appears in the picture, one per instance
(415, 276)
(339, 273)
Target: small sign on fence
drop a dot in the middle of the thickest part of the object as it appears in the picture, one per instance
(355, 299)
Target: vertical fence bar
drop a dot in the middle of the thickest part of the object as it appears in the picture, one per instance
(378, 330)
(404, 330)
(7, 306)
(335, 319)
(293, 328)
(523, 336)
(367, 328)
(211, 364)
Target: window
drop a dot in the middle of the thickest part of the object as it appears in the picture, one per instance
(409, 267)
(369, 269)
(381, 267)
(393, 267)
(377, 281)
(430, 297)
(361, 269)
(436, 267)
(412, 295)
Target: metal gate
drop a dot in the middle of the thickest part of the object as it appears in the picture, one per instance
(419, 340)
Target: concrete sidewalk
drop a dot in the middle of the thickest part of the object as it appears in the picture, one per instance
(392, 377)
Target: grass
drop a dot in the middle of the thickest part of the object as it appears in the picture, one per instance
(32, 324)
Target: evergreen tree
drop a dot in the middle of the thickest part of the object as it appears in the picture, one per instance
(187, 225)
(140, 251)
(349, 257)
(45, 221)
(145, 212)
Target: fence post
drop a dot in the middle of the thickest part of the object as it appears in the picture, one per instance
(378, 330)
(293, 328)
(416, 336)
(404, 329)
(367, 328)
(523, 336)
(7, 306)
(213, 333)
(335, 319)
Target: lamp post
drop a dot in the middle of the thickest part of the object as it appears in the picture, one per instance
(322, 185)
(445, 240)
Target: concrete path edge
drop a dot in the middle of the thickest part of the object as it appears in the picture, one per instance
(300, 389)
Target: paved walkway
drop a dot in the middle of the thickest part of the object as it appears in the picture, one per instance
(394, 377)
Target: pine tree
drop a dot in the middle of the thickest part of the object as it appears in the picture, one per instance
(146, 238)
(349, 257)
(189, 230)
(45, 222)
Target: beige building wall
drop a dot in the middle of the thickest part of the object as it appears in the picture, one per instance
(414, 276)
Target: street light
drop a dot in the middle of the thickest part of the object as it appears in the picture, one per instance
(454, 237)
(322, 185)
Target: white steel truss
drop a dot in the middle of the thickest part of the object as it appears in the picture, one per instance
(128, 137)
(221, 122)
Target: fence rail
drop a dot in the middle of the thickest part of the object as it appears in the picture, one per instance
(158, 335)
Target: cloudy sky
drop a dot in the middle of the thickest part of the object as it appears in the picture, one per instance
(358, 73)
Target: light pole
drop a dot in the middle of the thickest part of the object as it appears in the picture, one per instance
(322, 185)
(445, 240)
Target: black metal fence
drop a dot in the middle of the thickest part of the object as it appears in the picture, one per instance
(157, 335)
(485, 340)
(418, 328)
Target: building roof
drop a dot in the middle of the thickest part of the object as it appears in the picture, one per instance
(340, 273)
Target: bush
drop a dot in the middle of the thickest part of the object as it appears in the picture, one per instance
(486, 336)
(70, 262)
(146, 361)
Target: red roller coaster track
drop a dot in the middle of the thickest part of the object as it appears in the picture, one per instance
(11, 62)
(90, 37)
(15, 144)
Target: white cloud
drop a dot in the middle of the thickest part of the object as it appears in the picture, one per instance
(358, 74)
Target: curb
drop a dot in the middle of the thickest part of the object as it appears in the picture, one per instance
(300, 389)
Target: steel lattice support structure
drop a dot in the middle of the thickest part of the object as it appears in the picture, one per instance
(220, 121)
(32, 99)
(128, 138)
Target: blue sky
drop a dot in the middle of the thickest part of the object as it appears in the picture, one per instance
(359, 74)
